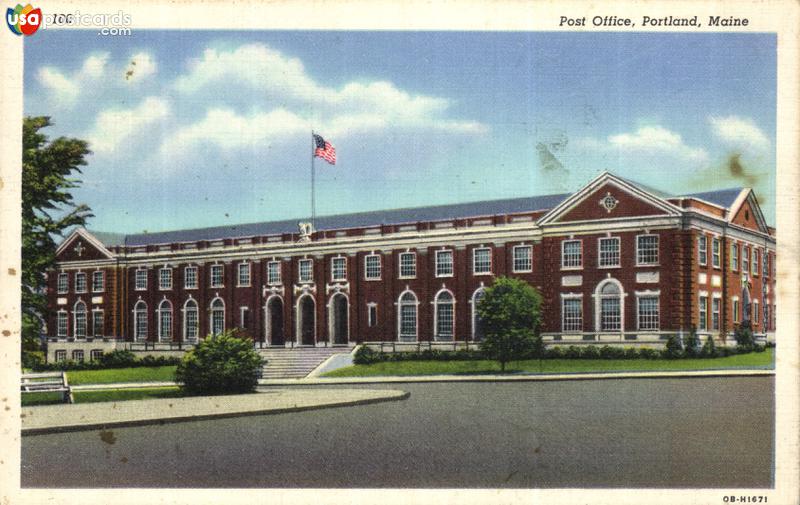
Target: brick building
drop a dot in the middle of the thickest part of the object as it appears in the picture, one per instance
(615, 261)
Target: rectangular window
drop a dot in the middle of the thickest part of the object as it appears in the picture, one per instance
(755, 311)
(648, 316)
(610, 316)
(756, 255)
(95, 354)
(80, 282)
(98, 323)
(408, 265)
(523, 258)
(165, 278)
(766, 263)
(77, 355)
(702, 250)
(745, 259)
(734, 257)
(338, 269)
(444, 263)
(372, 267)
(63, 283)
(715, 305)
(735, 311)
(190, 278)
(571, 315)
(306, 270)
(141, 280)
(444, 321)
(216, 275)
(702, 323)
(609, 252)
(274, 272)
(716, 261)
(62, 324)
(647, 250)
(571, 254)
(61, 355)
(243, 278)
(244, 317)
(408, 321)
(372, 315)
(80, 323)
(482, 261)
(190, 316)
(98, 281)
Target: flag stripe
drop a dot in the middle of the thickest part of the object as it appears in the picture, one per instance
(324, 150)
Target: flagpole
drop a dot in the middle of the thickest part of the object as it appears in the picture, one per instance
(313, 209)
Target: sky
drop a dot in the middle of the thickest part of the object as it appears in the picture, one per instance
(202, 128)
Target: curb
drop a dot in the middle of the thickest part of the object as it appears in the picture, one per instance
(222, 415)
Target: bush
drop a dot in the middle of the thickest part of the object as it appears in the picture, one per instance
(709, 349)
(674, 348)
(32, 359)
(365, 355)
(222, 364)
(631, 353)
(647, 353)
(590, 352)
(118, 359)
(744, 336)
(572, 352)
(555, 353)
(692, 343)
(608, 352)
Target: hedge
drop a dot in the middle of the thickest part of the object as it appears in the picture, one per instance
(113, 359)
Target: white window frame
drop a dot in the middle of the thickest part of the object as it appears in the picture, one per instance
(101, 312)
(716, 300)
(196, 309)
(310, 271)
(564, 265)
(139, 334)
(600, 241)
(217, 267)
(475, 251)
(62, 323)
(639, 250)
(212, 310)
(95, 354)
(716, 252)
(439, 263)
(274, 276)
(412, 265)
(75, 325)
(735, 309)
(765, 263)
(702, 312)
(165, 309)
(78, 355)
(61, 355)
(243, 310)
(648, 295)
(756, 264)
(734, 257)
(164, 279)
(702, 250)
(404, 337)
(436, 315)
(338, 269)
(372, 315)
(745, 259)
(186, 270)
(370, 276)
(564, 327)
(78, 276)
(754, 312)
(62, 283)
(239, 267)
(528, 259)
(599, 297)
(98, 274)
(140, 279)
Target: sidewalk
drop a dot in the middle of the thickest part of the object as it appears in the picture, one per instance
(104, 415)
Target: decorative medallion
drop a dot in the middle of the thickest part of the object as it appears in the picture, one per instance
(306, 229)
(608, 202)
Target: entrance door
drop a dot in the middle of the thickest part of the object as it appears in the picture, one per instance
(339, 319)
(275, 321)
(306, 307)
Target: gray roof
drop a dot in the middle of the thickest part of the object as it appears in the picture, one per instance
(340, 221)
(722, 197)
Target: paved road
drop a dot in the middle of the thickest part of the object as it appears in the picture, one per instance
(715, 432)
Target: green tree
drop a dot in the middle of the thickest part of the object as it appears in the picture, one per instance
(49, 172)
(744, 337)
(510, 311)
(692, 343)
(221, 364)
(709, 349)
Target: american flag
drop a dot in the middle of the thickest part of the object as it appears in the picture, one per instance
(324, 149)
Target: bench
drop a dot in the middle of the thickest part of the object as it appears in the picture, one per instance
(47, 382)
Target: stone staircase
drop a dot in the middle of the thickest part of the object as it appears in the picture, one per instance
(297, 362)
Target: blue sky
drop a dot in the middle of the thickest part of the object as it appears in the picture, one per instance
(213, 127)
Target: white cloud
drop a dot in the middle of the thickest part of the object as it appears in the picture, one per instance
(739, 133)
(113, 126)
(63, 89)
(657, 140)
(140, 67)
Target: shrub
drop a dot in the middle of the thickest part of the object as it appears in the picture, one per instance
(744, 336)
(709, 349)
(759, 348)
(117, 359)
(647, 353)
(365, 355)
(674, 347)
(631, 353)
(555, 353)
(590, 352)
(221, 364)
(572, 352)
(32, 359)
(609, 352)
(692, 343)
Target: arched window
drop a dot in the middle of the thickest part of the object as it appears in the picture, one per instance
(609, 306)
(165, 321)
(217, 316)
(190, 327)
(80, 320)
(407, 316)
(477, 325)
(444, 323)
(140, 321)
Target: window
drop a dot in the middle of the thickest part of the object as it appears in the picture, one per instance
(755, 311)
(647, 250)
(444, 263)
(98, 281)
(702, 250)
(80, 282)
(190, 277)
(609, 252)
(165, 321)
(77, 355)
(407, 309)
(80, 320)
(715, 305)
(755, 261)
(306, 270)
(63, 283)
(274, 272)
(61, 355)
(735, 310)
(572, 315)
(140, 321)
(745, 259)
(62, 323)
(372, 315)
(190, 327)
(217, 275)
(734, 257)
(444, 316)
(338, 269)
(243, 278)
(217, 316)
(702, 323)
(244, 317)
(408, 265)
(766, 263)
(766, 315)
(141, 280)
(98, 321)
(647, 312)
(165, 278)
(571, 254)
(482, 261)
(610, 310)
(95, 354)
(372, 267)
(523, 258)
(715, 255)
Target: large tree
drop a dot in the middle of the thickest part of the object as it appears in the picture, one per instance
(49, 170)
(510, 312)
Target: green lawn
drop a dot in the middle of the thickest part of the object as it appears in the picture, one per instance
(30, 399)
(121, 395)
(405, 368)
(110, 375)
